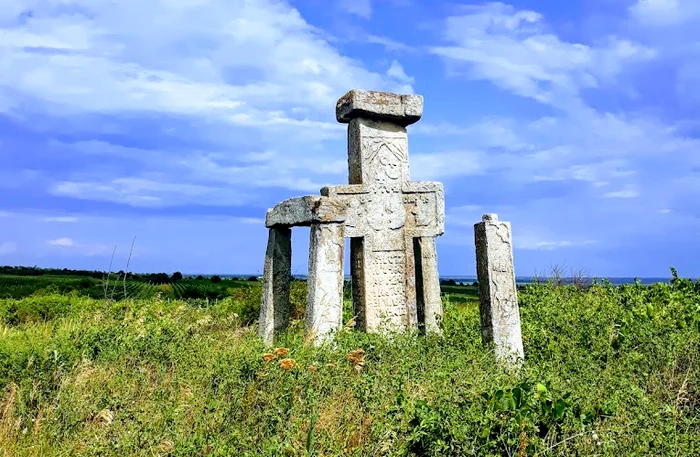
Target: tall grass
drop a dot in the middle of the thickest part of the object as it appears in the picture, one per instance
(609, 371)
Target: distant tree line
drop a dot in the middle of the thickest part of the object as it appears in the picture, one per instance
(153, 278)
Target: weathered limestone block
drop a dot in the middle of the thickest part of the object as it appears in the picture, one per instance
(428, 283)
(399, 109)
(324, 306)
(274, 312)
(498, 301)
(303, 211)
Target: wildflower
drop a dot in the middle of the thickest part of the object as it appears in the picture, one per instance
(281, 351)
(286, 364)
(313, 368)
(268, 357)
(357, 359)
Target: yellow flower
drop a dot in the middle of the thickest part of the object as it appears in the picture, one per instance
(268, 357)
(313, 368)
(286, 364)
(281, 352)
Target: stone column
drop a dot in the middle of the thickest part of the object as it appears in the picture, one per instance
(274, 312)
(324, 306)
(498, 301)
(432, 303)
(378, 160)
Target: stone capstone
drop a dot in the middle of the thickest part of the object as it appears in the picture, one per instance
(303, 211)
(399, 109)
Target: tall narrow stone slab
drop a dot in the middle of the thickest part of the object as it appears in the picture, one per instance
(378, 156)
(324, 307)
(498, 302)
(274, 311)
(429, 284)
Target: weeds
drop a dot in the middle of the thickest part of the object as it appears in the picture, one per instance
(609, 371)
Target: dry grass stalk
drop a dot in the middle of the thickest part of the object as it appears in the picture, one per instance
(166, 446)
(8, 424)
(104, 417)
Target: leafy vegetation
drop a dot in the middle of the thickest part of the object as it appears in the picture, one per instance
(610, 370)
(119, 287)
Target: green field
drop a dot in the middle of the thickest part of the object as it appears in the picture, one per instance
(116, 288)
(610, 370)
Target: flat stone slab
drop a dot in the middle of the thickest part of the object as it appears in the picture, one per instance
(303, 211)
(401, 109)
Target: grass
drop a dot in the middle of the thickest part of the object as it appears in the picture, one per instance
(113, 287)
(609, 371)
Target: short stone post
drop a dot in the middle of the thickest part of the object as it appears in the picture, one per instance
(277, 272)
(324, 305)
(428, 283)
(498, 301)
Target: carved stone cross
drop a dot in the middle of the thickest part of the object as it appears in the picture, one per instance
(391, 221)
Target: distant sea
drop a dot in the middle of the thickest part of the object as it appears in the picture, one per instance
(518, 279)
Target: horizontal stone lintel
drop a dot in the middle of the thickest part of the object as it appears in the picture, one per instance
(401, 109)
(408, 187)
(304, 211)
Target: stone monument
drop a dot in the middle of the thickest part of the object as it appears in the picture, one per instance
(498, 299)
(391, 221)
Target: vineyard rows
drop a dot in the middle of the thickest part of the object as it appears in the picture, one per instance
(22, 286)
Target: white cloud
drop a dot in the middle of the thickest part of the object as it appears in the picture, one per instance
(397, 72)
(512, 49)
(362, 8)
(622, 193)
(664, 12)
(533, 243)
(64, 242)
(443, 165)
(239, 78)
(68, 245)
(67, 219)
(252, 221)
(221, 59)
(8, 247)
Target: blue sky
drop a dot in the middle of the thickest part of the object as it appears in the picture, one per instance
(181, 121)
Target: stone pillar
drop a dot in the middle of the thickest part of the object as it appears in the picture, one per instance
(498, 301)
(324, 306)
(432, 303)
(378, 158)
(274, 312)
